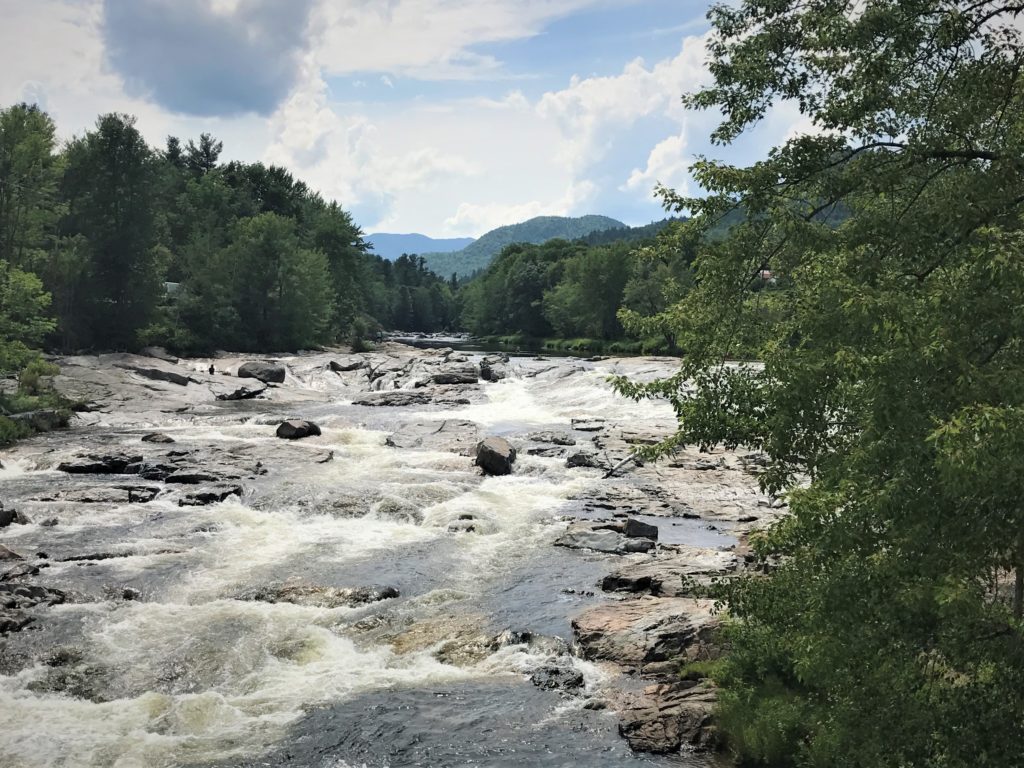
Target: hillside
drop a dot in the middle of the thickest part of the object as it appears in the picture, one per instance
(390, 246)
(479, 254)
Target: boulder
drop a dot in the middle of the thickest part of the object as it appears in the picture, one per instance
(296, 429)
(9, 554)
(11, 517)
(184, 477)
(637, 529)
(557, 676)
(665, 717)
(638, 632)
(583, 459)
(325, 597)
(495, 456)
(242, 393)
(464, 375)
(602, 537)
(211, 495)
(95, 464)
(266, 372)
(491, 371)
(554, 438)
(588, 425)
(157, 437)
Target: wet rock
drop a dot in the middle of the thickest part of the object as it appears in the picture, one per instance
(556, 676)
(296, 429)
(665, 717)
(13, 621)
(650, 629)
(325, 597)
(325, 458)
(396, 399)
(208, 496)
(159, 374)
(584, 459)
(8, 554)
(546, 452)
(151, 470)
(491, 370)
(19, 571)
(118, 494)
(348, 364)
(601, 537)
(157, 437)
(14, 596)
(242, 393)
(588, 425)
(637, 529)
(462, 526)
(130, 593)
(113, 464)
(495, 456)
(268, 373)
(554, 438)
(629, 582)
(185, 477)
(464, 375)
(449, 435)
(11, 517)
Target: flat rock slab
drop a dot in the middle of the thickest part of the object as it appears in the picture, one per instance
(452, 435)
(638, 632)
(602, 537)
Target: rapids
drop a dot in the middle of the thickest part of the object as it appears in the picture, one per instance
(198, 670)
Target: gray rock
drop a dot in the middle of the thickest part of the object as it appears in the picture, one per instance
(157, 437)
(158, 374)
(242, 393)
(637, 529)
(448, 435)
(495, 456)
(11, 517)
(464, 375)
(599, 541)
(397, 398)
(554, 438)
(296, 429)
(556, 676)
(9, 554)
(159, 353)
(349, 364)
(492, 371)
(588, 425)
(584, 459)
(325, 597)
(94, 464)
(266, 372)
(665, 717)
(212, 495)
(185, 477)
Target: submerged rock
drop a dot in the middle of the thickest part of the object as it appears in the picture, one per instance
(325, 597)
(296, 429)
(602, 537)
(157, 437)
(268, 373)
(495, 456)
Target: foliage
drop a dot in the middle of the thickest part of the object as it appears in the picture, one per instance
(890, 398)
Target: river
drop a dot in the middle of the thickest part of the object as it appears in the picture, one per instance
(365, 597)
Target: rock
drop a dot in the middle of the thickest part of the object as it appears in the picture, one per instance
(9, 554)
(588, 425)
(492, 371)
(118, 494)
(43, 420)
(207, 496)
(601, 537)
(452, 435)
(296, 429)
(13, 621)
(465, 375)
(157, 437)
(628, 582)
(158, 374)
(14, 596)
(462, 526)
(495, 456)
(114, 464)
(242, 393)
(349, 364)
(665, 717)
(19, 571)
(397, 398)
(268, 373)
(325, 597)
(130, 593)
(555, 676)
(185, 477)
(554, 438)
(11, 517)
(583, 459)
(159, 353)
(637, 529)
(634, 633)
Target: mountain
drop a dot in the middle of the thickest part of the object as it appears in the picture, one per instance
(481, 252)
(391, 246)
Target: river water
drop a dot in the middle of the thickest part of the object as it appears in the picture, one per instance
(196, 672)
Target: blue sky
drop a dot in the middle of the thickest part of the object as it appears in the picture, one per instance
(446, 117)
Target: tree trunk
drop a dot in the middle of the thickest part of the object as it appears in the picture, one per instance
(1018, 592)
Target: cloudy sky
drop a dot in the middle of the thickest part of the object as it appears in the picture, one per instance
(447, 117)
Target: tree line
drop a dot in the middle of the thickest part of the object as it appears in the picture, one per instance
(109, 243)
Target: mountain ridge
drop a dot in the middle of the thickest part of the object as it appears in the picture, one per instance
(391, 245)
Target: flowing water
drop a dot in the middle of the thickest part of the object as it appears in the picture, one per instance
(195, 672)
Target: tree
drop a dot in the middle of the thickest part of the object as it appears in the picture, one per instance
(23, 317)
(890, 402)
(109, 185)
(201, 159)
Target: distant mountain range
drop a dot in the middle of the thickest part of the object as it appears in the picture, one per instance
(478, 254)
(391, 246)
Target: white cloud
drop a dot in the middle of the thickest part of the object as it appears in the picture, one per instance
(667, 164)
(476, 218)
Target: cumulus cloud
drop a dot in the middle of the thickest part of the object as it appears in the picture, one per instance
(207, 57)
(476, 218)
(667, 164)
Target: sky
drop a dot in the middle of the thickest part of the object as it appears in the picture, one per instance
(445, 117)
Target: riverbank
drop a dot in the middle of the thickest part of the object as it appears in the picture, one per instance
(186, 588)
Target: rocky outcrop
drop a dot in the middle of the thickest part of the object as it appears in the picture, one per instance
(646, 631)
(667, 716)
(584, 459)
(602, 537)
(99, 464)
(452, 435)
(159, 374)
(296, 429)
(242, 393)
(157, 437)
(557, 677)
(11, 517)
(347, 364)
(324, 597)
(268, 373)
(212, 495)
(398, 398)
(495, 456)
(464, 375)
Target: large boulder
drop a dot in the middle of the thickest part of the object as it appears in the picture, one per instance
(93, 464)
(495, 456)
(464, 375)
(665, 717)
(296, 429)
(638, 529)
(268, 373)
(602, 537)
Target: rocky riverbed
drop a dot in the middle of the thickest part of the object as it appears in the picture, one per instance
(304, 561)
